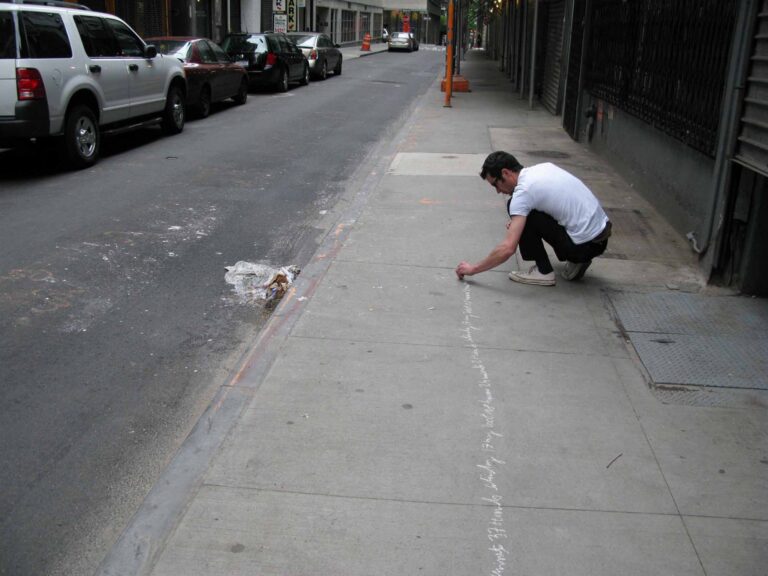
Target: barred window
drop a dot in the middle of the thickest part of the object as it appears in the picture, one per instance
(348, 26)
(146, 18)
(663, 62)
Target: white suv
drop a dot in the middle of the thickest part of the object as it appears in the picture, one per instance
(71, 73)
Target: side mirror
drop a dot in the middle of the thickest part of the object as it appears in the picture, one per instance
(150, 51)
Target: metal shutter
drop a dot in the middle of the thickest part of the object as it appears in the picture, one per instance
(752, 144)
(554, 53)
(573, 85)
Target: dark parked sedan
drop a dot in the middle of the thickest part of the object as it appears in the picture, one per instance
(323, 55)
(271, 59)
(211, 74)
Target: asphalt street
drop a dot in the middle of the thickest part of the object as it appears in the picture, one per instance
(116, 325)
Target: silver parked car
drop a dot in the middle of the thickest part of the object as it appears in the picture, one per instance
(323, 55)
(402, 41)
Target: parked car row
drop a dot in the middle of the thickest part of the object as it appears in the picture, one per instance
(70, 75)
(275, 59)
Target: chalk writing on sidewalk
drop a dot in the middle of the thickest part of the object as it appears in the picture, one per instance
(490, 464)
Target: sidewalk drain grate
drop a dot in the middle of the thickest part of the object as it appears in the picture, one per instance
(695, 340)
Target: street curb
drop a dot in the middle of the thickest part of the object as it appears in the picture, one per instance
(363, 54)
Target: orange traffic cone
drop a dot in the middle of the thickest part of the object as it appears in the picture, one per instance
(366, 47)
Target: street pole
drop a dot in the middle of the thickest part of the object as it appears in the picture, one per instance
(449, 57)
(459, 34)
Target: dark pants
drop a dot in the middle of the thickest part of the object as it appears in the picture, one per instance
(540, 228)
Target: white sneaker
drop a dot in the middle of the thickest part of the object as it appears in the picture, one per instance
(575, 270)
(533, 276)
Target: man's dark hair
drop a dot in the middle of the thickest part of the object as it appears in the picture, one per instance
(497, 161)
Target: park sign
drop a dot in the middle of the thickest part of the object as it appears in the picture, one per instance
(291, 11)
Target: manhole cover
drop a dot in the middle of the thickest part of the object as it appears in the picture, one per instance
(547, 154)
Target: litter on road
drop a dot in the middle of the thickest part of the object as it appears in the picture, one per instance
(260, 283)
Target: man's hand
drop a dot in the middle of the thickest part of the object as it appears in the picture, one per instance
(499, 254)
(464, 269)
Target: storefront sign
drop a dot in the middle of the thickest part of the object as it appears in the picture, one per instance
(278, 5)
(280, 22)
(291, 11)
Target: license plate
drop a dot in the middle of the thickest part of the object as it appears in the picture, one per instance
(243, 63)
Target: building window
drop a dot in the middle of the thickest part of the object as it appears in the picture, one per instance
(365, 23)
(348, 26)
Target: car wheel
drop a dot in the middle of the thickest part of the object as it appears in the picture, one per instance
(81, 137)
(337, 70)
(324, 70)
(173, 116)
(204, 105)
(305, 78)
(242, 93)
(282, 83)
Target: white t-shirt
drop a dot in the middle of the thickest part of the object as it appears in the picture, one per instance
(552, 190)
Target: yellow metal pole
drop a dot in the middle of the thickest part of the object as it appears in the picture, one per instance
(449, 58)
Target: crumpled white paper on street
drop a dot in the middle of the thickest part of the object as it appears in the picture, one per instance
(260, 283)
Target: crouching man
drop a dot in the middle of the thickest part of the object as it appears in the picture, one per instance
(546, 204)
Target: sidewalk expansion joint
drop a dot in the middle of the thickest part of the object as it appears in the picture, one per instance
(580, 354)
(468, 504)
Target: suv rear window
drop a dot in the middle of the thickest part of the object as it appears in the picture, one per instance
(7, 36)
(44, 36)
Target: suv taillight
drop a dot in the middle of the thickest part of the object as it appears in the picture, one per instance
(29, 84)
(271, 58)
(313, 55)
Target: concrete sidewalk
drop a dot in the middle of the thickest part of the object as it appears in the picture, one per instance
(392, 420)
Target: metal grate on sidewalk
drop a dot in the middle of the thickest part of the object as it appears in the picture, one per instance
(695, 340)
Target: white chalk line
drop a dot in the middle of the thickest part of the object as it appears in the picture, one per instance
(495, 530)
